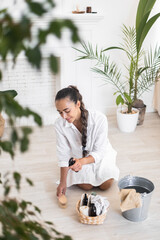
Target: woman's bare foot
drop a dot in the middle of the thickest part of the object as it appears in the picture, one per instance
(107, 184)
(85, 186)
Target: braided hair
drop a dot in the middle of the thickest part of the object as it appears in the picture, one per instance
(74, 95)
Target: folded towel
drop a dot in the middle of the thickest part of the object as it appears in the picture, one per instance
(129, 199)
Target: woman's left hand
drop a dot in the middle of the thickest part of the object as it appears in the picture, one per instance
(77, 166)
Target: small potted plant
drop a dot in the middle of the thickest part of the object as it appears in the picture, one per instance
(142, 67)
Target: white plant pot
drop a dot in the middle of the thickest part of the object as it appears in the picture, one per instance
(127, 122)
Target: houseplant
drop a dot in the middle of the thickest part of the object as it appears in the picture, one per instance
(21, 219)
(142, 66)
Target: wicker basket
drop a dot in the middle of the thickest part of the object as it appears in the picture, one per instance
(90, 220)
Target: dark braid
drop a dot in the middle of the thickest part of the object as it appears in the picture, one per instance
(73, 93)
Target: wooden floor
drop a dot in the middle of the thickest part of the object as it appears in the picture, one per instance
(138, 154)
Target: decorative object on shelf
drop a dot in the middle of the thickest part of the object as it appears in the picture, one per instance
(78, 10)
(83, 7)
(88, 9)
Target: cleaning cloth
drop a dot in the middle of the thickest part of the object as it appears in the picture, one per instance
(130, 199)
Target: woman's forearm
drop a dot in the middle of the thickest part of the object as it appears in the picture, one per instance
(63, 174)
(87, 160)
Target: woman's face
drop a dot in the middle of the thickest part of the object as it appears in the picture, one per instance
(68, 109)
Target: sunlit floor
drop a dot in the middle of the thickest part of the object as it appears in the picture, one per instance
(138, 154)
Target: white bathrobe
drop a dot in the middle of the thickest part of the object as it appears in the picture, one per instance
(69, 144)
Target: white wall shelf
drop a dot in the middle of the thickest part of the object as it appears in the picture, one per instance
(82, 19)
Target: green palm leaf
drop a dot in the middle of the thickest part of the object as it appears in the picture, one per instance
(111, 48)
(144, 9)
(142, 26)
(148, 74)
(146, 29)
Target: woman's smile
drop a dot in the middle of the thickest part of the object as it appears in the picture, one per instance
(68, 119)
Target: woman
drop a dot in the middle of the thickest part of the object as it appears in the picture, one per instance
(82, 134)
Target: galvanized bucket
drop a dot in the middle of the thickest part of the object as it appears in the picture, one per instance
(137, 214)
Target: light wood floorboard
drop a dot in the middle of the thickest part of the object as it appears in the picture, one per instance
(138, 154)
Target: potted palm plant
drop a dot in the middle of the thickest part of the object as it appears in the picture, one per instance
(142, 65)
(143, 82)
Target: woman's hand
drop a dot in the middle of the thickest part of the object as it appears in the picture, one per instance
(61, 189)
(77, 166)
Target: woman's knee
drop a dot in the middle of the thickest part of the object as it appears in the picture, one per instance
(85, 186)
(107, 184)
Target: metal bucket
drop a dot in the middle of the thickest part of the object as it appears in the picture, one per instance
(137, 214)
